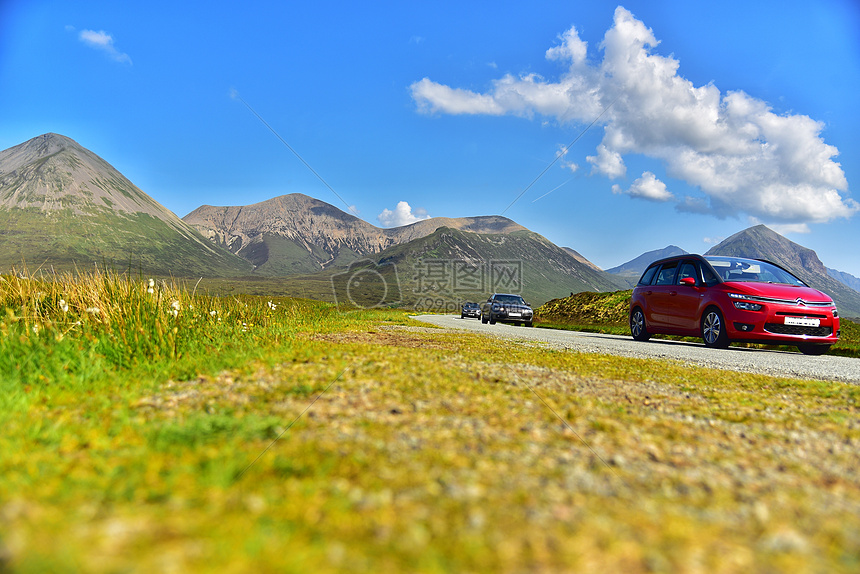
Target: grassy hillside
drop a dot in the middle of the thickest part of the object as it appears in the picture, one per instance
(586, 308)
(166, 431)
(65, 241)
(520, 262)
(435, 273)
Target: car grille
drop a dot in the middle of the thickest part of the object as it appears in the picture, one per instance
(781, 329)
(793, 302)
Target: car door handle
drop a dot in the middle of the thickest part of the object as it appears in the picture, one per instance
(648, 292)
(673, 293)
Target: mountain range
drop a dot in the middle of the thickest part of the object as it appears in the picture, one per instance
(633, 269)
(316, 234)
(65, 208)
(439, 259)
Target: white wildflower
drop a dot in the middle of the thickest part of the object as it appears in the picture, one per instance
(64, 307)
(151, 288)
(36, 328)
(244, 327)
(174, 308)
(272, 306)
(214, 313)
(93, 310)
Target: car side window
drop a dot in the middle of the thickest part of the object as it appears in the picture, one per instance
(710, 277)
(648, 276)
(688, 269)
(666, 276)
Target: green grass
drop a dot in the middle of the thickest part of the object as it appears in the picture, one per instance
(70, 241)
(296, 437)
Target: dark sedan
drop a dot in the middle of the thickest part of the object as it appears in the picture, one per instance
(470, 309)
(506, 308)
(725, 299)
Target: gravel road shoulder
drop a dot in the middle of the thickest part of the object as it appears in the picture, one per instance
(765, 362)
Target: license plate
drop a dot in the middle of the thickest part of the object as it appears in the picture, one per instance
(514, 314)
(802, 322)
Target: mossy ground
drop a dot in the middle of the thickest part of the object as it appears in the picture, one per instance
(292, 436)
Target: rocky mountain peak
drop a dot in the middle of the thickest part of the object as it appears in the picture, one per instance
(763, 243)
(64, 205)
(37, 148)
(52, 172)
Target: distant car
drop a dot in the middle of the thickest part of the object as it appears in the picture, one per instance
(470, 309)
(725, 299)
(506, 308)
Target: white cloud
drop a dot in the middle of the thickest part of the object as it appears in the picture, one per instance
(743, 157)
(402, 215)
(607, 162)
(561, 153)
(432, 97)
(647, 187)
(103, 41)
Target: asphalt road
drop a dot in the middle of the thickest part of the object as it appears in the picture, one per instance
(774, 363)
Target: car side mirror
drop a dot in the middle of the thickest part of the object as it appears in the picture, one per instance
(688, 281)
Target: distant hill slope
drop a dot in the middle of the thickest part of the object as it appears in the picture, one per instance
(63, 206)
(299, 234)
(631, 271)
(575, 254)
(845, 278)
(453, 265)
(760, 242)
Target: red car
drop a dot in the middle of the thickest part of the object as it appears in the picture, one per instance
(726, 299)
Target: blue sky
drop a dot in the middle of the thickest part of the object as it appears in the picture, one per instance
(715, 116)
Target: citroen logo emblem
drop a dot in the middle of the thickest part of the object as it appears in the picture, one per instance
(800, 302)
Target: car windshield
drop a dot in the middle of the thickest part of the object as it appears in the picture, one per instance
(511, 299)
(737, 269)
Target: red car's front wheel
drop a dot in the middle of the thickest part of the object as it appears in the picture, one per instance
(637, 325)
(714, 329)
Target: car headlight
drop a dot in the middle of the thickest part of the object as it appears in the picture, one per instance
(744, 302)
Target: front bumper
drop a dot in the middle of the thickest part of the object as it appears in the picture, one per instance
(507, 315)
(783, 324)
